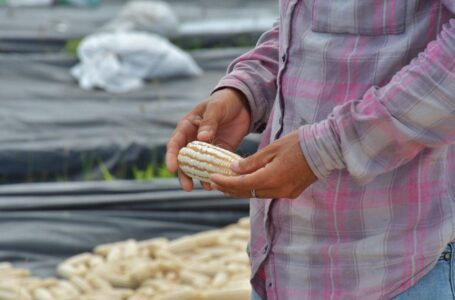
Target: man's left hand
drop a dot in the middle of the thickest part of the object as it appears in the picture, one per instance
(277, 171)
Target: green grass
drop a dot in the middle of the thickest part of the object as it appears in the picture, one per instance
(141, 175)
(107, 176)
(91, 164)
(163, 172)
(151, 172)
(193, 43)
(72, 45)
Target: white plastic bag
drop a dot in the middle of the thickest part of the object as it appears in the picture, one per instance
(147, 16)
(119, 62)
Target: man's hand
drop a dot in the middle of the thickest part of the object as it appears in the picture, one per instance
(277, 171)
(223, 120)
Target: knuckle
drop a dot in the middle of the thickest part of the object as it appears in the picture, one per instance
(179, 125)
(199, 109)
(171, 144)
(184, 122)
(264, 160)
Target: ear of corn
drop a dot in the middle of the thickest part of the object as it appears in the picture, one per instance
(199, 160)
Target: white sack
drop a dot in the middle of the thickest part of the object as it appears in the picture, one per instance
(119, 62)
(148, 16)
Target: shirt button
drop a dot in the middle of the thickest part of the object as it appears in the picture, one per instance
(269, 285)
(283, 58)
(447, 256)
(265, 249)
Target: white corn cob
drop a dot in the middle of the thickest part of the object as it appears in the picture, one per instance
(199, 160)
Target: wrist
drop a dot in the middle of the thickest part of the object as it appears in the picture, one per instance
(238, 95)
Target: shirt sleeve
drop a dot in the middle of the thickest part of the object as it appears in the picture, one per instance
(390, 125)
(254, 74)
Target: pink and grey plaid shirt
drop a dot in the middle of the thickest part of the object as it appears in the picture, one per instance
(370, 87)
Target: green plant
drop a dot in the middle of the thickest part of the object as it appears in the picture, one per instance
(107, 176)
(72, 45)
(141, 175)
(163, 172)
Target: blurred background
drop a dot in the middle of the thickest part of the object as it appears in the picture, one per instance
(90, 92)
(56, 127)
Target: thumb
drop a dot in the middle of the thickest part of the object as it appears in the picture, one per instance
(252, 163)
(209, 123)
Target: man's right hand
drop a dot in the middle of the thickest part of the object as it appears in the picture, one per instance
(222, 120)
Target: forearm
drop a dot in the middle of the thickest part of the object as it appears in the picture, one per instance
(389, 126)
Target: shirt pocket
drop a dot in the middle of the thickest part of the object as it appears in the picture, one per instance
(362, 17)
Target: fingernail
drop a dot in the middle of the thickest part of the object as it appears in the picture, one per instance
(235, 165)
(203, 132)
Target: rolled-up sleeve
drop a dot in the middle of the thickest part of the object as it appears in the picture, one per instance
(390, 125)
(255, 74)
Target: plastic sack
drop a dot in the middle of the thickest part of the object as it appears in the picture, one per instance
(119, 62)
(147, 16)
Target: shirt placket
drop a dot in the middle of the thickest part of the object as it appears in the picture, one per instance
(285, 39)
(271, 276)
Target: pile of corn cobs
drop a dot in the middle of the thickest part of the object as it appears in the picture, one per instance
(211, 265)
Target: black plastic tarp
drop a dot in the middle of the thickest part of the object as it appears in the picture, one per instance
(40, 29)
(42, 224)
(54, 130)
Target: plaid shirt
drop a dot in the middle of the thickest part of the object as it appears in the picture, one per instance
(370, 87)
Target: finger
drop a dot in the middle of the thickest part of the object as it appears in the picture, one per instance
(233, 193)
(173, 148)
(209, 123)
(184, 132)
(257, 180)
(259, 194)
(230, 192)
(254, 162)
(222, 143)
(206, 186)
(197, 121)
(185, 182)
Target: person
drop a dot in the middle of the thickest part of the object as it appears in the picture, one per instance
(353, 184)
